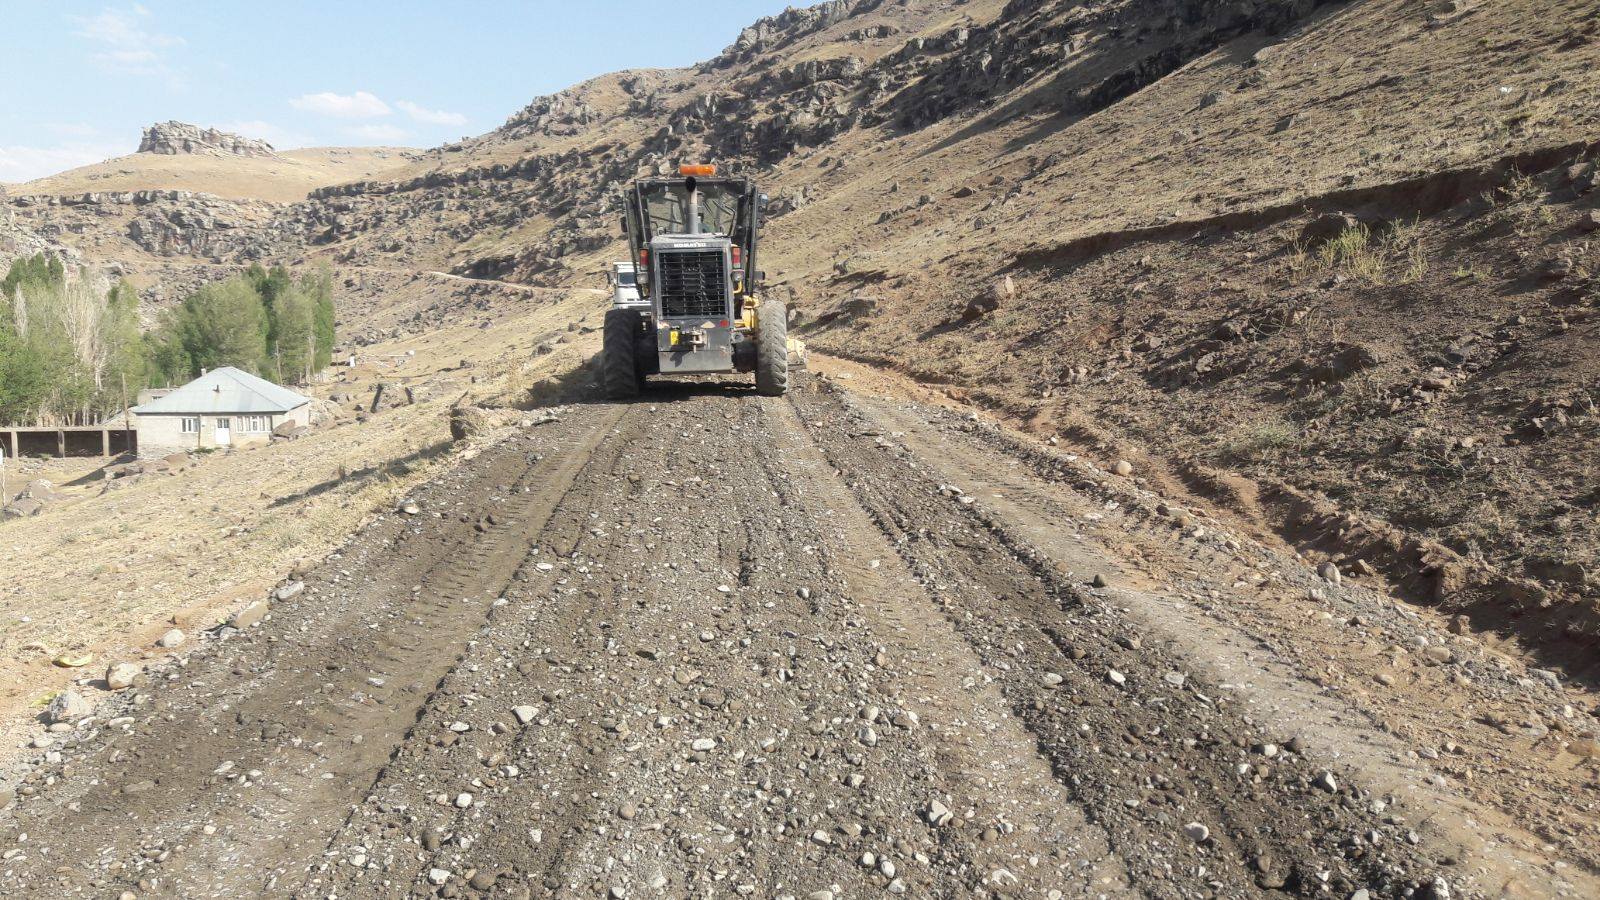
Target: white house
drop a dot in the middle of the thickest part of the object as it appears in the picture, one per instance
(225, 407)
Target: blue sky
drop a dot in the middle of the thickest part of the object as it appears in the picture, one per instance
(79, 80)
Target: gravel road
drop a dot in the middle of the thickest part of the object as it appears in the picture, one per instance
(711, 644)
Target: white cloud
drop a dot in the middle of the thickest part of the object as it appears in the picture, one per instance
(430, 116)
(381, 132)
(22, 163)
(126, 44)
(360, 105)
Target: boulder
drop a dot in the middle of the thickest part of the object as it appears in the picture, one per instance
(1327, 227)
(860, 305)
(250, 615)
(387, 395)
(998, 294)
(468, 421)
(1584, 176)
(120, 676)
(23, 508)
(1556, 268)
(68, 707)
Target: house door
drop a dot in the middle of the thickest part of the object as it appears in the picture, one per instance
(224, 435)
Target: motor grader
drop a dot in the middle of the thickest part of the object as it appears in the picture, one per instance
(693, 244)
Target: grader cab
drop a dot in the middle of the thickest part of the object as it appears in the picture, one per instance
(693, 244)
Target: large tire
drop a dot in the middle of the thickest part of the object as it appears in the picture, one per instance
(619, 369)
(772, 348)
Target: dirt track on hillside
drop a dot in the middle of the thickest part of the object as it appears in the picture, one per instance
(712, 644)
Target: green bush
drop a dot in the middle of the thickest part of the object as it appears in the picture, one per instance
(71, 350)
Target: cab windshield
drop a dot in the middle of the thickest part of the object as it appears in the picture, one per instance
(668, 208)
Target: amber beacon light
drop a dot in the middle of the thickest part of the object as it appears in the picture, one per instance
(698, 171)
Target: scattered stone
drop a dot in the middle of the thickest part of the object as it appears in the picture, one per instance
(68, 706)
(438, 877)
(1123, 468)
(172, 639)
(1326, 782)
(1330, 573)
(1197, 832)
(524, 714)
(702, 745)
(120, 676)
(250, 615)
(1116, 678)
(463, 800)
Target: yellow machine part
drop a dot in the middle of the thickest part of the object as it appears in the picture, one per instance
(796, 348)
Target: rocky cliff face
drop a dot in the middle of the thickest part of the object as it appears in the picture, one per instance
(177, 138)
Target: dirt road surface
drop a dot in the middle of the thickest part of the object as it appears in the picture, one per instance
(834, 645)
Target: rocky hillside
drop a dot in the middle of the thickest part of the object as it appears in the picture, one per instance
(1329, 264)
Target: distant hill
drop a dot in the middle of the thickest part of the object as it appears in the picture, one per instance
(176, 156)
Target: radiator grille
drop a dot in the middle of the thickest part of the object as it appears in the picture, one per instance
(693, 284)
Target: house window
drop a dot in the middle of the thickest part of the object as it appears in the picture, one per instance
(255, 424)
(189, 425)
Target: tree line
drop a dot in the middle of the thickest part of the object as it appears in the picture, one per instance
(72, 350)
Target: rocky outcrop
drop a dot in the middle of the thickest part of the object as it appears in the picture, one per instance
(1120, 45)
(775, 32)
(178, 138)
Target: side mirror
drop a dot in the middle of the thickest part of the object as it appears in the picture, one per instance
(624, 224)
(761, 202)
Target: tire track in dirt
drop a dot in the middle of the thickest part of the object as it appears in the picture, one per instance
(268, 737)
(1151, 753)
(709, 644)
(654, 631)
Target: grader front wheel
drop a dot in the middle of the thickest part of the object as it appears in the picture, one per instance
(619, 369)
(772, 348)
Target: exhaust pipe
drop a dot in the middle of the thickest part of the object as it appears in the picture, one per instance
(694, 205)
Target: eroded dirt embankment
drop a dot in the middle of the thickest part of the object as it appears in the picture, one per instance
(1401, 381)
